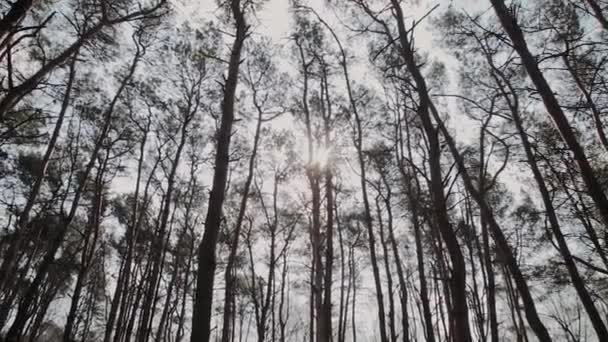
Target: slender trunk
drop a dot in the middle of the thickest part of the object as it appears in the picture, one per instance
(135, 305)
(16, 329)
(370, 232)
(158, 247)
(228, 276)
(201, 318)
(326, 333)
(284, 297)
(412, 204)
(387, 270)
(487, 257)
(595, 111)
(577, 280)
(10, 256)
(594, 188)
(182, 315)
(88, 250)
(343, 303)
(460, 315)
(353, 272)
(137, 218)
(399, 265)
(311, 303)
(124, 277)
(169, 293)
(499, 237)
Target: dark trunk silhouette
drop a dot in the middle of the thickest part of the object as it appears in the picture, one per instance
(201, 318)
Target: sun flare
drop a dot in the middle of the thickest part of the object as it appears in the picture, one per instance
(321, 156)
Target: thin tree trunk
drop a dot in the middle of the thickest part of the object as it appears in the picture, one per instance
(594, 188)
(460, 315)
(88, 250)
(201, 318)
(501, 241)
(10, 256)
(595, 112)
(16, 329)
(577, 280)
(124, 277)
(487, 257)
(412, 204)
(327, 331)
(387, 270)
(229, 276)
(399, 265)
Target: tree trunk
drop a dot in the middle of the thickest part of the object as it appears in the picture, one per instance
(124, 277)
(158, 247)
(10, 256)
(520, 45)
(88, 250)
(460, 315)
(499, 238)
(201, 318)
(228, 276)
(412, 205)
(16, 329)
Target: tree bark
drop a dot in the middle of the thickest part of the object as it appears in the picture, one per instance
(15, 331)
(460, 314)
(201, 318)
(594, 187)
(10, 256)
(501, 241)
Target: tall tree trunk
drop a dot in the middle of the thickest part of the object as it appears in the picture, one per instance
(326, 333)
(125, 306)
(499, 237)
(229, 273)
(343, 309)
(460, 314)
(88, 251)
(159, 243)
(577, 280)
(387, 270)
(201, 318)
(10, 256)
(510, 96)
(124, 277)
(487, 257)
(16, 329)
(595, 111)
(412, 204)
(370, 229)
(594, 188)
(398, 263)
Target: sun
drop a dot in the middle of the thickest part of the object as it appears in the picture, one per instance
(321, 157)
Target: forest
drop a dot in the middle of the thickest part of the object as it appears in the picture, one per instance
(303, 170)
